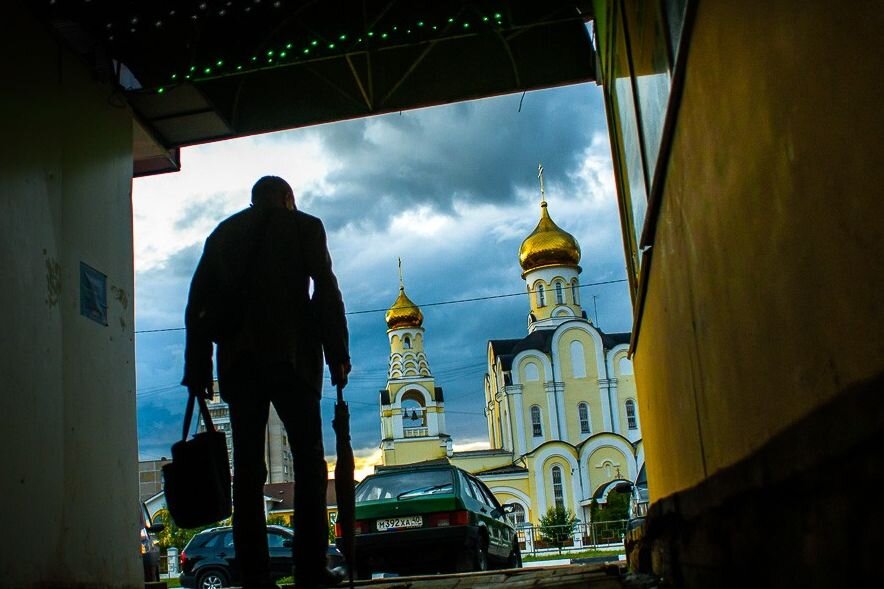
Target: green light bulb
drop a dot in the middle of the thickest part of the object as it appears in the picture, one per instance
(270, 53)
(315, 43)
(466, 25)
(208, 70)
(343, 37)
(219, 63)
(371, 33)
(174, 76)
(239, 67)
(450, 20)
(383, 35)
(288, 45)
(420, 23)
(484, 19)
(193, 68)
(306, 50)
(497, 15)
(160, 90)
(282, 53)
(331, 45)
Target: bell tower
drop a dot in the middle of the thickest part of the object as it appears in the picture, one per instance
(412, 406)
(550, 259)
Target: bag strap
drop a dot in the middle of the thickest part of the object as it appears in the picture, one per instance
(188, 415)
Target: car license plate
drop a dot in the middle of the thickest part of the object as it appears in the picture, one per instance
(396, 523)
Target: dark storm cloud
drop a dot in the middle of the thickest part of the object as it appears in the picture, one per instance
(450, 160)
(476, 152)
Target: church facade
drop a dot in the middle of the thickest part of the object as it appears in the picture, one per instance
(560, 402)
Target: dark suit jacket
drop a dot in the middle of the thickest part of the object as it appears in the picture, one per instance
(274, 253)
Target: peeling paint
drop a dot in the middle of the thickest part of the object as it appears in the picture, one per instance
(53, 281)
(121, 295)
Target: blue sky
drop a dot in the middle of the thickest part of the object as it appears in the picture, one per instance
(453, 190)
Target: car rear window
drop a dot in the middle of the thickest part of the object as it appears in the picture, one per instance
(406, 484)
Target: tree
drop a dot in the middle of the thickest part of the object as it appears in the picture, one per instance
(616, 508)
(556, 525)
(172, 535)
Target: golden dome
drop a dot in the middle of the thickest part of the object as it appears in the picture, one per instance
(548, 245)
(403, 313)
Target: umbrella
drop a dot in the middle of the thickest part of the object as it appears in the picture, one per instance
(344, 488)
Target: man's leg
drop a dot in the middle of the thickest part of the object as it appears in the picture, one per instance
(248, 418)
(299, 411)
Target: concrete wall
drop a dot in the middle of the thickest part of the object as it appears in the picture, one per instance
(764, 294)
(70, 480)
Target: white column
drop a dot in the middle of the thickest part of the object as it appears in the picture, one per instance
(615, 403)
(560, 397)
(517, 417)
(605, 398)
(432, 424)
(552, 412)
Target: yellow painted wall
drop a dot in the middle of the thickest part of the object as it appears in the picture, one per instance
(585, 389)
(410, 452)
(598, 475)
(764, 294)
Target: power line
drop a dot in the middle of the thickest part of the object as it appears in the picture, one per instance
(434, 304)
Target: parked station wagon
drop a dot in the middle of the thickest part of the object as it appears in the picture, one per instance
(428, 519)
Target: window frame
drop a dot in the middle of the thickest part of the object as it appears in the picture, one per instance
(536, 424)
(558, 486)
(631, 415)
(583, 416)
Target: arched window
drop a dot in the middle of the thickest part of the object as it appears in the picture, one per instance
(541, 296)
(406, 342)
(558, 491)
(531, 372)
(578, 359)
(413, 411)
(536, 427)
(574, 287)
(631, 419)
(583, 414)
(517, 515)
(560, 294)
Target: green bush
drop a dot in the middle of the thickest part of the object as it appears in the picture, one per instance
(556, 525)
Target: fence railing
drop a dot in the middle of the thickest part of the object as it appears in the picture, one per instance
(580, 536)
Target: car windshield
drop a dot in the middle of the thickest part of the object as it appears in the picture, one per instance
(402, 485)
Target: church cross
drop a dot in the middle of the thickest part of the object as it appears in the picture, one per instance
(401, 282)
(540, 175)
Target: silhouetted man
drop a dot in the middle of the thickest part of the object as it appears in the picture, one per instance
(260, 262)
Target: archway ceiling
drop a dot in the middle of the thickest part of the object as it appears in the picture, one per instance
(288, 63)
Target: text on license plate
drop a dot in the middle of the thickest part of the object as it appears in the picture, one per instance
(393, 523)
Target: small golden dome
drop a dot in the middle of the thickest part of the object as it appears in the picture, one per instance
(403, 313)
(548, 245)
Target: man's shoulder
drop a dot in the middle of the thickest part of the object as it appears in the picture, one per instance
(233, 224)
(308, 221)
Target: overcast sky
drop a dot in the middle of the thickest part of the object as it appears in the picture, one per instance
(453, 190)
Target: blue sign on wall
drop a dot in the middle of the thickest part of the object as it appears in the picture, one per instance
(93, 294)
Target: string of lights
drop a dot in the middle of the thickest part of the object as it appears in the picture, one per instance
(434, 304)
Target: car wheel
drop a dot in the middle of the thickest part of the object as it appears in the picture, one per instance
(475, 558)
(212, 580)
(515, 559)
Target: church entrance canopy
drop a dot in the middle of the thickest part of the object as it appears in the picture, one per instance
(205, 70)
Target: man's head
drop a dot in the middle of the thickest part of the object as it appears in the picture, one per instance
(273, 191)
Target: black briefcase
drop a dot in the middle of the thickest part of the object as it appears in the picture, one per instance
(197, 481)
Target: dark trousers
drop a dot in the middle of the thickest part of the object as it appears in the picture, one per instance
(249, 392)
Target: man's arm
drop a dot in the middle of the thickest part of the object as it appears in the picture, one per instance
(198, 348)
(328, 303)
